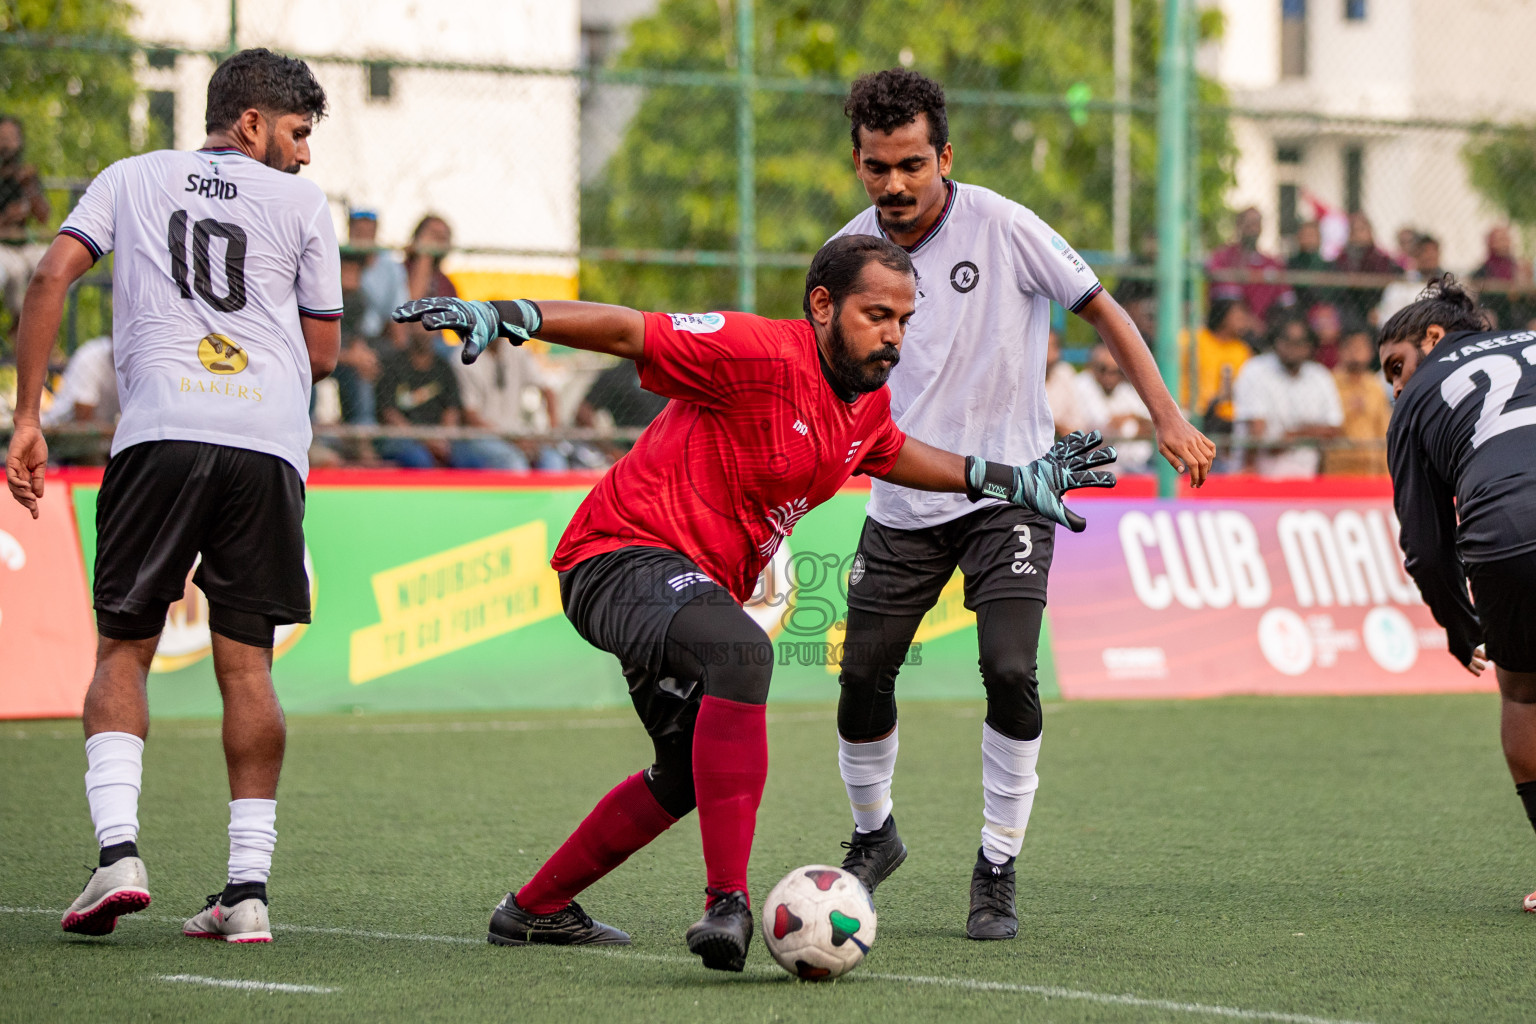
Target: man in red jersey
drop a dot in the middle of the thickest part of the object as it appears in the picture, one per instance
(768, 419)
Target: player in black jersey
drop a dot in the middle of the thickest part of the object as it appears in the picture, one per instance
(1462, 453)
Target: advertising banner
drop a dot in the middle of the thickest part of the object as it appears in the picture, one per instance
(440, 598)
(1198, 599)
(46, 631)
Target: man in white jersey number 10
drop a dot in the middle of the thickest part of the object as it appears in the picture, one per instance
(227, 308)
(971, 378)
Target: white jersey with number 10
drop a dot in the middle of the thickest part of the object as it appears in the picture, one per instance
(218, 256)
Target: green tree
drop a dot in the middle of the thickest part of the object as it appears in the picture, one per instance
(74, 104)
(1502, 166)
(672, 182)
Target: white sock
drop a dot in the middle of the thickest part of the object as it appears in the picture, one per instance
(1008, 783)
(252, 837)
(114, 771)
(867, 770)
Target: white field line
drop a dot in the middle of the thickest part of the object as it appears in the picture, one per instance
(253, 986)
(416, 728)
(965, 984)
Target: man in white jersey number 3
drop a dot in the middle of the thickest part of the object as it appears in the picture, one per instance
(227, 308)
(972, 378)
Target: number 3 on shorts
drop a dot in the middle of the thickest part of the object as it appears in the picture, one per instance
(1027, 547)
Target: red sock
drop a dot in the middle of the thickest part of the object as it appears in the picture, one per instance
(730, 765)
(622, 822)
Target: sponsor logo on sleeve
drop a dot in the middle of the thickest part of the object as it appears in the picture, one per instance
(1060, 245)
(698, 323)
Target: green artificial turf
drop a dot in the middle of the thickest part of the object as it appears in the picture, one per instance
(1329, 859)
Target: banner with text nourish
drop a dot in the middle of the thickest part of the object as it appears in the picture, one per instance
(443, 598)
(1198, 599)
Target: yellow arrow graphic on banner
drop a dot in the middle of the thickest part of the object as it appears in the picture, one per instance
(455, 599)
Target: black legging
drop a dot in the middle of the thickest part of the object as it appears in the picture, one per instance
(1008, 635)
(715, 644)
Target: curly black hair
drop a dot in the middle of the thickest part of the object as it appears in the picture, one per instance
(886, 100)
(1445, 303)
(267, 81)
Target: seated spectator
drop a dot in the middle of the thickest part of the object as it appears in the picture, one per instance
(1361, 255)
(88, 392)
(1363, 397)
(1329, 329)
(1221, 349)
(1309, 257)
(1061, 388)
(418, 388)
(1284, 396)
(617, 394)
(1426, 267)
(381, 282)
(22, 202)
(357, 366)
(1407, 244)
(1501, 267)
(1259, 291)
(1106, 401)
(494, 389)
(430, 244)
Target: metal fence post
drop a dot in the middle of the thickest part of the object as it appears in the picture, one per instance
(1172, 198)
(746, 155)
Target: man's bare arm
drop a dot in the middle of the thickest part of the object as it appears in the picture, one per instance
(323, 340)
(1180, 443)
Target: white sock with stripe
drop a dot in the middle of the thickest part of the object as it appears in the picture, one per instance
(867, 770)
(252, 838)
(114, 770)
(1008, 783)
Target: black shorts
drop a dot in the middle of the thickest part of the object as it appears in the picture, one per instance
(164, 503)
(1004, 551)
(623, 602)
(1504, 594)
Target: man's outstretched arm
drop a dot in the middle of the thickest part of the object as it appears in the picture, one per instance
(1041, 485)
(616, 330)
(1185, 448)
(43, 309)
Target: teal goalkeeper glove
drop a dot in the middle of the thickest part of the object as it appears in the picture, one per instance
(1042, 484)
(476, 323)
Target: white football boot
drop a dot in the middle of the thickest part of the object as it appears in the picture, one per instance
(246, 921)
(112, 891)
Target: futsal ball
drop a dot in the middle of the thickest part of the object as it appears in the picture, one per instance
(819, 922)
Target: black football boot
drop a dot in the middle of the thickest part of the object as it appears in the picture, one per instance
(723, 936)
(872, 856)
(993, 915)
(511, 925)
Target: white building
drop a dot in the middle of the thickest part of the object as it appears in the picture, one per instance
(496, 155)
(1383, 61)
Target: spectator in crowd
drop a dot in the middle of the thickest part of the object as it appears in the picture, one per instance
(22, 202)
(1221, 349)
(1259, 291)
(1407, 245)
(494, 390)
(1107, 402)
(1426, 267)
(1061, 388)
(357, 368)
(1363, 398)
(1309, 257)
(430, 244)
(1329, 330)
(382, 282)
(1361, 255)
(614, 399)
(1285, 396)
(417, 388)
(1501, 267)
(88, 391)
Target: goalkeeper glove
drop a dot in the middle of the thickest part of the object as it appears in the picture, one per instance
(1042, 484)
(476, 323)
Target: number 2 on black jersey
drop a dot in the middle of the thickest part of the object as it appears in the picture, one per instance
(202, 273)
(1503, 373)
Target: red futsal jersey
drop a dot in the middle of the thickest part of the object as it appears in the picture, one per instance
(753, 439)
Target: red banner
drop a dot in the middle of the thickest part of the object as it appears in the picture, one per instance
(46, 631)
(1212, 597)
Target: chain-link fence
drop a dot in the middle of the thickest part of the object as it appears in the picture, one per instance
(692, 154)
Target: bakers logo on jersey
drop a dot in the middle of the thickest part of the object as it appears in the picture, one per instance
(1060, 245)
(697, 323)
